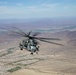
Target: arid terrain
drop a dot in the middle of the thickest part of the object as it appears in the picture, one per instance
(51, 59)
(37, 37)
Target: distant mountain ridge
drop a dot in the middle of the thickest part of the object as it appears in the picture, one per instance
(41, 24)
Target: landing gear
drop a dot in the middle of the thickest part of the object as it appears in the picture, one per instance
(31, 53)
(21, 48)
(36, 52)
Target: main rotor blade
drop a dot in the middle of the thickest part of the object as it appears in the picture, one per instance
(28, 34)
(36, 33)
(23, 33)
(51, 42)
(47, 38)
(18, 33)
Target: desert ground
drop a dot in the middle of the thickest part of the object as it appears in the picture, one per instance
(51, 59)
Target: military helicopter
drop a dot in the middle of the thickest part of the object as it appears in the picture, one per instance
(31, 43)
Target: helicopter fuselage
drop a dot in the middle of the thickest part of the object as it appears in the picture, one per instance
(29, 45)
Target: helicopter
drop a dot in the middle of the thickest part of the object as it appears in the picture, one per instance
(31, 44)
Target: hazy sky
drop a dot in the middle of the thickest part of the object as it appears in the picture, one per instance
(37, 8)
